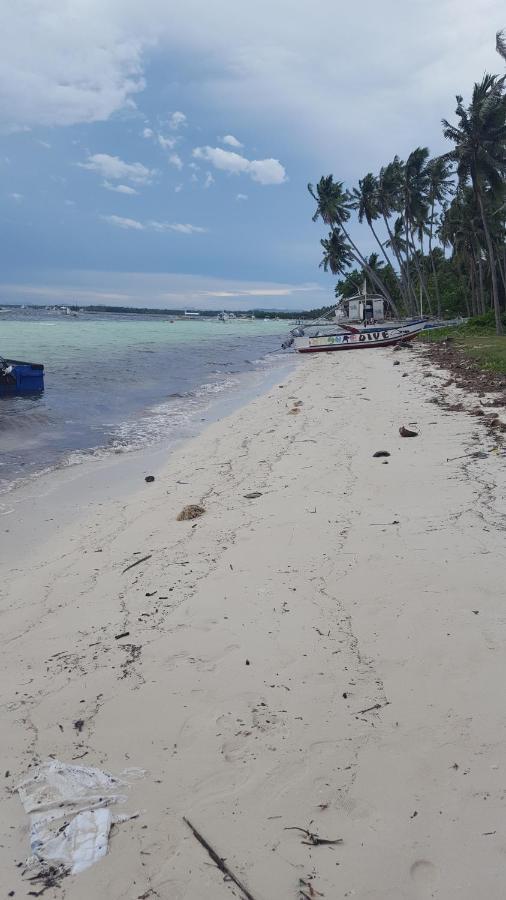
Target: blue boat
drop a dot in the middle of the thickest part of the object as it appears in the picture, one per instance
(18, 377)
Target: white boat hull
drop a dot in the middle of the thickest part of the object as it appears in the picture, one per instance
(359, 340)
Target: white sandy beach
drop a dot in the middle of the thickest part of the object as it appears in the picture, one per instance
(257, 635)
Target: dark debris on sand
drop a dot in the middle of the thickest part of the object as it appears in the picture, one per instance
(466, 373)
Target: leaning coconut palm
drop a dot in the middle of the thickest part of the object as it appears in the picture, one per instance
(420, 230)
(396, 242)
(337, 256)
(376, 265)
(480, 155)
(333, 207)
(448, 232)
(461, 228)
(439, 186)
(366, 202)
(390, 202)
(415, 207)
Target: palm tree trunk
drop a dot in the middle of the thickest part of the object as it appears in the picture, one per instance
(472, 282)
(404, 292)
(408, 273)
(480, 282)
(421, 276)
(492, 263)
(463, 280)
(502, 270)
(386, 257)
(433, 264)
(372, 274)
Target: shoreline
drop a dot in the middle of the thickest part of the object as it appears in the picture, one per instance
(326, 656)
(117, 389)
(69, 490)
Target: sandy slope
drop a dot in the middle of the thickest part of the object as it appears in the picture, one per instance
(334, 607)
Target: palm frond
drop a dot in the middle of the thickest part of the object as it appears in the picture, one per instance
(500, 43)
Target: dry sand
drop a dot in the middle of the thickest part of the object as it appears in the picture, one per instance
(259, 633)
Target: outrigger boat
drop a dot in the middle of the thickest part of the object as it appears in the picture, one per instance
(20, 377)
(350, 338)
(337, 334)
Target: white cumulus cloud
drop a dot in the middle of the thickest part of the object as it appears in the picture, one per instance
(115, 168)
(209, 180)
(226, 160)
(176, 120)
(182, 229)
(241, 196)
(135, 225)
(122, 222)
(166, 143)
(231, 141)
(175, 160)
(265, 171)
(119, 188)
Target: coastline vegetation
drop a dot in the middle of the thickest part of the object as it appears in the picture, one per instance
(439, 224)
(476, 339)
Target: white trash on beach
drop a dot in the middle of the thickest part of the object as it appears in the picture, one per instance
(70, 815)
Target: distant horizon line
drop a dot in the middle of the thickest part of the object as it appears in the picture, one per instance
(104, 307)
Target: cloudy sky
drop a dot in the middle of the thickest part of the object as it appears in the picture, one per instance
(158, 153)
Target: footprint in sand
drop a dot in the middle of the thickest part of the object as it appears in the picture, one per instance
(259, 725)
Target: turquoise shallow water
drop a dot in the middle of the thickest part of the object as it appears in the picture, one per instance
(119, 383)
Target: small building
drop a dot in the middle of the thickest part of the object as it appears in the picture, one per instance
(363, 309)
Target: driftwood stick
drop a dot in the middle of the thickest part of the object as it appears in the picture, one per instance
(370, 708)
(221, 864)
(137, 562)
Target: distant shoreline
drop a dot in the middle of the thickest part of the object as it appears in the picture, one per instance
(185, 315)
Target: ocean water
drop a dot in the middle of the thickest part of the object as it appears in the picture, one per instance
(119, 383)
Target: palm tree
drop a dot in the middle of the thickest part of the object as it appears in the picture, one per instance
(439, 185)
(336, 253)
(390, 202)
(480, 155)
(376, 265)
(415, 207)
(333, 207)
(366, 202)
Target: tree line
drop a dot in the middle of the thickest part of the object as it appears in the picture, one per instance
(439, 223)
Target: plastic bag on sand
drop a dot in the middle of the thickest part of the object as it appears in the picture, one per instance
(70, 816)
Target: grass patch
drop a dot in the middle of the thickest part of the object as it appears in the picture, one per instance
(477, 340)
(488, 350)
